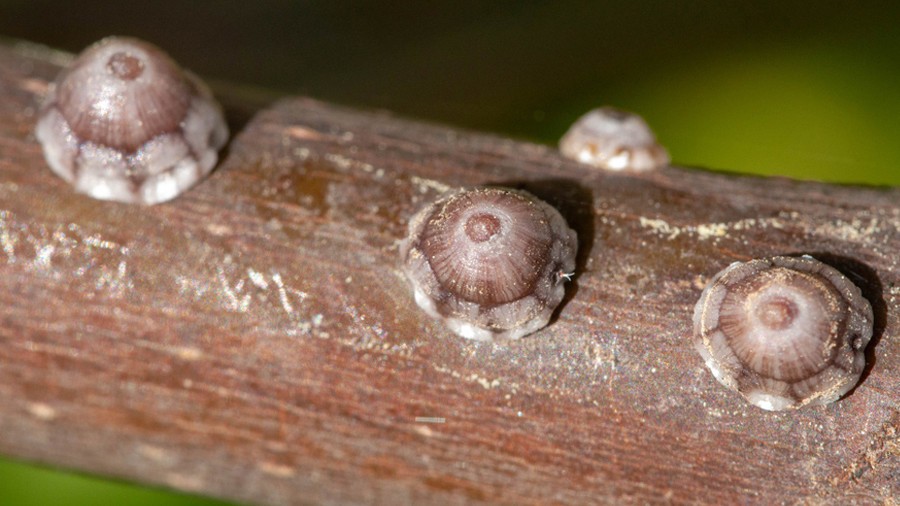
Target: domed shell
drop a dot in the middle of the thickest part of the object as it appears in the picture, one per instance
(123, 122)
(783, 331)
(612, 139)
(489, 262)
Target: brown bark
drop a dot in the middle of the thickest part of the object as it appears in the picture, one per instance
(255, 339)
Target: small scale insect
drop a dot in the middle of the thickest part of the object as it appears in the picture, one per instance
(489, 262)
(612, 139)
(123, 122)
(784, 332)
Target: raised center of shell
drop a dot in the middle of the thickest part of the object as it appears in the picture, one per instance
(125, 66)
(490, 247)
(482, 227)
(777, 313)
(781, 323)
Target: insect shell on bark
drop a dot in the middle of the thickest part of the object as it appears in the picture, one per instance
(489, 262)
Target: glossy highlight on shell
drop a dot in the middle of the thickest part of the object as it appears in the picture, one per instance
(612, 139)
(783, 331)
(123, 122)
(489, 262)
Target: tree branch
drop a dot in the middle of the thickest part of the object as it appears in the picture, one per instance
(255, 338)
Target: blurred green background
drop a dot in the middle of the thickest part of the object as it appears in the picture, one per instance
(801, 89)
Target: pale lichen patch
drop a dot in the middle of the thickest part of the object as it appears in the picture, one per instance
(67, 248)
(485, 383)
(302, 132)
(853, 230)
(661, 227)
(185, 482)
(189, 354)
(41, 411)
(425, 185)
(346, 164)
(278, 470)
(705, 231)
(218, 229)
(156, 454)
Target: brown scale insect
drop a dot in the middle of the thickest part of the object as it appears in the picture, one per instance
(611, 139)
(784, 332)
(489, 262)
(123, 122)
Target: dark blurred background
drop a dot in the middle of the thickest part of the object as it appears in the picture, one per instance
(805, 89)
